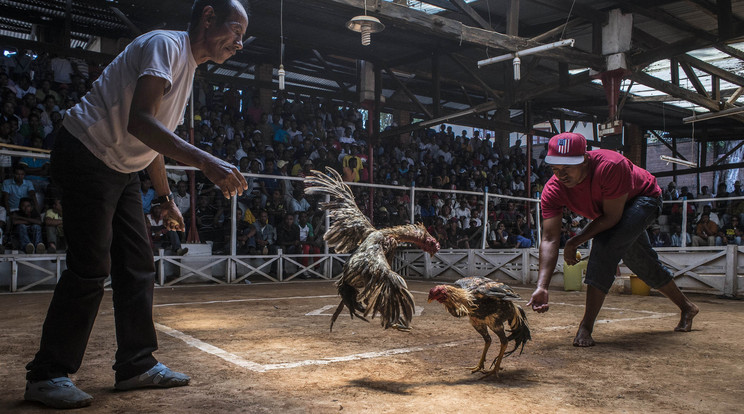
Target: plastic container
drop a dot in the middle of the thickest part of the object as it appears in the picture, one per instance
(639, 287)
(573, 276)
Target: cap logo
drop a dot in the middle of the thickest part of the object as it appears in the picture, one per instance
(563, 145)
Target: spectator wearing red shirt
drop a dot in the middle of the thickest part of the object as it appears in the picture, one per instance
(622, 200)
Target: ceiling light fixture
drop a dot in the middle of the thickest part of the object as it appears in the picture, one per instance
(516, 55)
(366, 25)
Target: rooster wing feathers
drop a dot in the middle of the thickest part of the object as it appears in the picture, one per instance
(349, 227)
(368, 284)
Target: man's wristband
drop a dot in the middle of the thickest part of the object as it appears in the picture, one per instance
(162, 200)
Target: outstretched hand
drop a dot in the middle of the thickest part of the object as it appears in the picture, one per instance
(225, 176)
(539, 300)
(171, 216)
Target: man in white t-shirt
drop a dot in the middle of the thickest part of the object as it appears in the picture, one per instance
(123, 125)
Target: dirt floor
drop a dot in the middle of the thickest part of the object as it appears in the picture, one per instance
(266, 348)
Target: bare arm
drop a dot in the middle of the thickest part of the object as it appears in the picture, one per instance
(549, 245)
(145, 126)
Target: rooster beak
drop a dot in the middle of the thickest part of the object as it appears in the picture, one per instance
(429, 300)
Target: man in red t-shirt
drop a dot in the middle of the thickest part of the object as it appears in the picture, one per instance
(622, 200)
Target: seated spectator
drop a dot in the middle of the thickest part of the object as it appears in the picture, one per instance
(55, 235)
(209, 220)
(705, 232)
(147, 193)
(308, 241)
(160, 237)
(16, 188)
(288, 235)
(276, 208)
(265, 235)
(732, 232)
(427, 211)
(677, 236)
(27, 227)
(439, 231)
(659, 239)
(182, 198)
(246, 239)
(456, 236)
(500, 238)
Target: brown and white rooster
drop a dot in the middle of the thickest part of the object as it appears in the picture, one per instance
(486, 303)
(368, 284)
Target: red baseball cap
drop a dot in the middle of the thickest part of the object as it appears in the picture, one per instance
(567, 148)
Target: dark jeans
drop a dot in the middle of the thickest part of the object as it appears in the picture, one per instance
(628, 240)
(106, 234)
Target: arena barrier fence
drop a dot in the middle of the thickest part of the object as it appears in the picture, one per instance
(710, 269)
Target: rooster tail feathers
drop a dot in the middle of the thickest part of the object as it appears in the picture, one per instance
(519, 330)
(349, 299)
(392, 300)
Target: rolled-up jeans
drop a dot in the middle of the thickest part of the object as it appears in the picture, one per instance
(629, 241)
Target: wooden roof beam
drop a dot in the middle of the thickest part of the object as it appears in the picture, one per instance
(408, 93)
(470, 12)
(457, 31)
(681, 93)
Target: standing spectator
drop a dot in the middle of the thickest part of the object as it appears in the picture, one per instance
(62, 69)
(55, 234)
(122, 126)
(27, 226)
(16, 188)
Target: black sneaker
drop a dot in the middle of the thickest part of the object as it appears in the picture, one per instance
(29, 248)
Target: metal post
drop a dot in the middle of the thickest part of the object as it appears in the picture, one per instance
(413, 203)
(485, 218)
(538, 221)
(233, 240)
(683, 242)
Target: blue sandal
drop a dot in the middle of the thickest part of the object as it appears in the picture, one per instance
(158, 376)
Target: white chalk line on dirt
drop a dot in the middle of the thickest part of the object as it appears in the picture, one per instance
(321, 312)
(256, 367)
(253, 366)
(208, 302)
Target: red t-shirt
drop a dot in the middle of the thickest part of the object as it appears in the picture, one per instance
(610, 176)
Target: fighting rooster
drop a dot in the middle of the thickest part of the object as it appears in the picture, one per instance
(485, 302)
(368, 284)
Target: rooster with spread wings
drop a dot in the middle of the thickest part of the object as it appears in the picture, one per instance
(368, 284)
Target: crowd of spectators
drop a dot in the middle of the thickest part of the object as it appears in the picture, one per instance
(709, 222)
(297, 135)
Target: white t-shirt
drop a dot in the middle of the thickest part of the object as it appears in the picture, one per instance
(100, 120)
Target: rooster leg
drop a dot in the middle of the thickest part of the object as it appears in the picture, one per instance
(335, 314)
(482, 329)
(496, 365)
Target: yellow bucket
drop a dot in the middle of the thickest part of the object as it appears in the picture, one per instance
(573, 276)
(639, 287)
